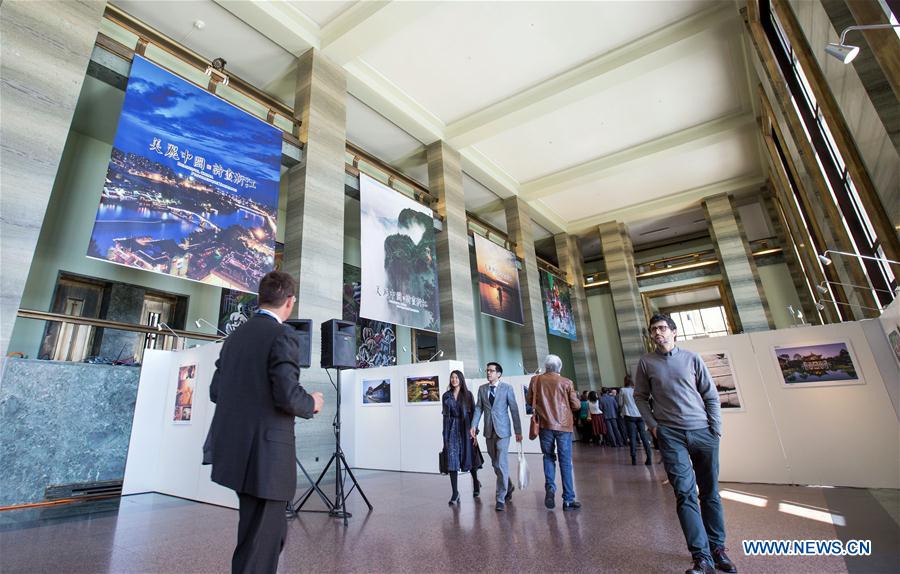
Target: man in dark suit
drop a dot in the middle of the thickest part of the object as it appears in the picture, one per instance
(251, 445)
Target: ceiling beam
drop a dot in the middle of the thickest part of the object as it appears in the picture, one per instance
(279, 21)
(684, 140)
(664, 206)
(365, 24)
(635, 58)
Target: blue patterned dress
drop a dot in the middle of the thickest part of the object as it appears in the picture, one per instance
(457, 442)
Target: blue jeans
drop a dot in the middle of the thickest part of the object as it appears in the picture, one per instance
(691, 458)
(553, 441)
(636, 429)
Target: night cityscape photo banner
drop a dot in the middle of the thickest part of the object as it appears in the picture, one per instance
(192, 185)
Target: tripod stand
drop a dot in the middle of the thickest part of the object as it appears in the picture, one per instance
(336, 509)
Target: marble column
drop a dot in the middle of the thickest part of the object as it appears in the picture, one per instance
(618, 254)
(457, 336)
(584, 351)
(520, 228)
(314, 230)
(44, 56)
(737, 264)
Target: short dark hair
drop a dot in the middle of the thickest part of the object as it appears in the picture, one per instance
(496, 366)
(275, 287)
(660, 317)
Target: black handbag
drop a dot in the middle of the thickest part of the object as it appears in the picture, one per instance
(477, 457)
(442, 462)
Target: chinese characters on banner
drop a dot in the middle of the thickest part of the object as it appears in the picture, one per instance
(192, 185)
(399, 266)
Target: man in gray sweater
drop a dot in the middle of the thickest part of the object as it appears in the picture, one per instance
(686, 421)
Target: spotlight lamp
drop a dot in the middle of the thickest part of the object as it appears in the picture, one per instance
(821, 287)
(844, 52)
(820, 305)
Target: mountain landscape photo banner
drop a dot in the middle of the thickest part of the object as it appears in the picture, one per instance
(399, 281)
(498, 281)
(192, 185)
(557, 297)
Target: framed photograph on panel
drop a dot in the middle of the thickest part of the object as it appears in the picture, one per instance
(423, 390)
(894, 339)
(722, 373)
(184, 394)
(818, 365)
(376, 392)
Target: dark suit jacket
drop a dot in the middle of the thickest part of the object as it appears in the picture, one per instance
(257, 393)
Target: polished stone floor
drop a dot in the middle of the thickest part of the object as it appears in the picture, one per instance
(628, 524)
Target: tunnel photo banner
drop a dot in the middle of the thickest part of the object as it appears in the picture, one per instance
(191, 189)
(557, 297)
(398, 281)
(498, 281)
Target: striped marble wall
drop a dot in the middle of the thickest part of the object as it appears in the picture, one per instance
(520, 228)
(44, 55)
(584, 351)
(618, 254)
(314, 224)
(736, 262)
(457, 336)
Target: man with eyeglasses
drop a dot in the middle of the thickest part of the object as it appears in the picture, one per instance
(498, 400)
(685, 419)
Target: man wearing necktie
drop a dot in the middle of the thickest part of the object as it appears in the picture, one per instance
(498, 400)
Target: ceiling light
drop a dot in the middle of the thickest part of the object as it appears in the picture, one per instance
(820, 306)
(822, 289)
(845, 53)
(825, 261)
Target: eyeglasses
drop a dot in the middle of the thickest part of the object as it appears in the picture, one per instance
(659, 328)
(491, 370)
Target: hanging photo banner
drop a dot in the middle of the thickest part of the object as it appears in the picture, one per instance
(498, 281)
(557, 298)
(399, 282)
(376, 342)
(192, 185)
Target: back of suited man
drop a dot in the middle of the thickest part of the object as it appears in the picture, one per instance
(251, 443)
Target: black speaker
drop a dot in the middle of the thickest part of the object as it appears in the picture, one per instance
(338, 344)
(304, 332)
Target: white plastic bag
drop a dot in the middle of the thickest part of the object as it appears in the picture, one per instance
(524, 473)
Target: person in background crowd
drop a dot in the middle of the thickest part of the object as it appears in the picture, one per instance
(457, 406)
(685, 418)
(620, 420)
(598, 423)
(497, 400)
(611, 413)
(553, 398)
(584, 415)
(633, 421)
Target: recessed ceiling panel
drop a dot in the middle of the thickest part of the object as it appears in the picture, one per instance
(463, 56)
(698, 87)
(654, 178)
(321, 12)
(369, 130)
(250, 55)
(477, 195)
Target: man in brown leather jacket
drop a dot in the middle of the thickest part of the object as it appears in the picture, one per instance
(553, 398)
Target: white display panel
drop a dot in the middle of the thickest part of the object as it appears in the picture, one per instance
(164, 456)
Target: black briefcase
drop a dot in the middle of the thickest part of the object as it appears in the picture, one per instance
(442, 462)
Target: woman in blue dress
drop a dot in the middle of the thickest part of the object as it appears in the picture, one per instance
(457, 407)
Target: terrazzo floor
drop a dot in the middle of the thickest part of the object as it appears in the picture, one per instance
(627, 524)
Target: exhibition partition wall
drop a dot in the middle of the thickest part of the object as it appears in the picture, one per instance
(812, 406)
(171, 419)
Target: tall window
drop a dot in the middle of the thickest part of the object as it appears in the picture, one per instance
(837, 177)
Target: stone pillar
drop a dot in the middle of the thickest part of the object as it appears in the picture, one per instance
(584, 351)
(44, 56)
(619, 256)
(534, 329)
(457, 336)
(314, 230)
(738, 267)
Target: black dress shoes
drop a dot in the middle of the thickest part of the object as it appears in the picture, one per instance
(500, 507)
(509, 492)
(476, 489)
(723, 562)
(454, 499)
(574, 505)
(549, 499)
(633, 460)
(701, 567)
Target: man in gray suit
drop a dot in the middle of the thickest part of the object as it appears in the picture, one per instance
(498, 399)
